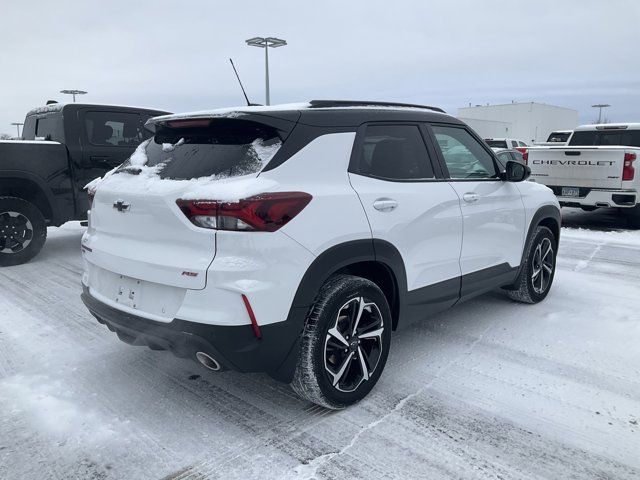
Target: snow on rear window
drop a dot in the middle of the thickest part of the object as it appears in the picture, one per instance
(230, 149)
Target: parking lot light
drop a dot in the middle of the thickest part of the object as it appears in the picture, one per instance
(266, 43)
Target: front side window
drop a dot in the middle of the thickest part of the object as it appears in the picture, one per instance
(464, 156)
(394, 152)
(115, 129)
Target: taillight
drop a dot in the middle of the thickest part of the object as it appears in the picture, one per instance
(261, 213)
(521, 149)
(525, 157)
(628, 172)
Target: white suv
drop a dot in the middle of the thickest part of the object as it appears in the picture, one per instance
(293, 239)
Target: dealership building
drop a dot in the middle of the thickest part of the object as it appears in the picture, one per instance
(529, 122)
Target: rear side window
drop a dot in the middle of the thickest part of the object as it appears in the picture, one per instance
(496, 143)
(463, 154)
(629, 138)
(49, 128)
(115, 129)
(514, 144)
(558, 137)
(394, 152)
(223, 148)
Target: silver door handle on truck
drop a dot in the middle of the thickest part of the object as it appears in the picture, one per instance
(385, 204)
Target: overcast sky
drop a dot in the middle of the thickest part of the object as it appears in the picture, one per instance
(173, 55)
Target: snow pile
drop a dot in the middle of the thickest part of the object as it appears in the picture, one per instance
(51, 409)
(139, 157)
(170, 147)
(626, 237)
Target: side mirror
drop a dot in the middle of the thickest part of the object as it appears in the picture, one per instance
(516, 172)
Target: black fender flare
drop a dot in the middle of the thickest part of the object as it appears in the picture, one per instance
(544, 213)
(326, 264)
(39, 183)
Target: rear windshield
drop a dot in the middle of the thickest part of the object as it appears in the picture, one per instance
(629, 138)
(497, 143)
(226, 148)
(558, 137)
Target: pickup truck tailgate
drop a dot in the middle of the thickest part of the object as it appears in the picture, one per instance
(599, 167)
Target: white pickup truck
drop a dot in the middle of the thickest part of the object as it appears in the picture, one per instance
(595, 169)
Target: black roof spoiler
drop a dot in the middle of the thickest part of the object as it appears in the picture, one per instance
(362, 103)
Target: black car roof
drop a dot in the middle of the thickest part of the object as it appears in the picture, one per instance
(336, 113)
(63, 107)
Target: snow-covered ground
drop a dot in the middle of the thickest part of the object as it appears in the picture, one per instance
(489, 389)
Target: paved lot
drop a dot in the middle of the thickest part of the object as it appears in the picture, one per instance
(490, 389)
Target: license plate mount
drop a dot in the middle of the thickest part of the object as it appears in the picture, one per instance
(128, 292)
(570, 192)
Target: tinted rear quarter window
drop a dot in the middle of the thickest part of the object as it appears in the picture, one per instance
(394, 152)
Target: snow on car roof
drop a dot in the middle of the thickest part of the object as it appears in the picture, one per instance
(229, 112)
(232, 112)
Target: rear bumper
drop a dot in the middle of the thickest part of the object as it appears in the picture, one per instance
(591, 197)
(234, 347)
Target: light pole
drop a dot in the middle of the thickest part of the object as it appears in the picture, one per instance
(18, 125)
(600, 106)
(266, 43)
(74, 93)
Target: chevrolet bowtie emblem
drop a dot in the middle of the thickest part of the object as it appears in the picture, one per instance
(121, 206)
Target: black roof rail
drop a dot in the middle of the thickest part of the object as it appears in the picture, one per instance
(362, 103)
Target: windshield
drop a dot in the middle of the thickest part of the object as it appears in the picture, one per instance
(497, 143)
(629, 138)
(222, 149)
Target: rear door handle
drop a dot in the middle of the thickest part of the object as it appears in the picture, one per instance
(470, 197)
(385, 204)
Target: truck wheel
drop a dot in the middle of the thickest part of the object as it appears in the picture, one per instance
(633, 216)
(22, 231)
(537, 272)
(345, 343)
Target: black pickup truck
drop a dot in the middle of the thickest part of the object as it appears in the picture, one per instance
(42, 176)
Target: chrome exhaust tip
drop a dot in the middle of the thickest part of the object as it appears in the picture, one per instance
(208, 362)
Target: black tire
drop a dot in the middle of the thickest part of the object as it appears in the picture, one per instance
(322, 352)
(531, 288)
(633, 216)
(23, 231)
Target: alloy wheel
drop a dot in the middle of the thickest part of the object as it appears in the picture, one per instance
(353, 345)
(16, 232)
(542, 266)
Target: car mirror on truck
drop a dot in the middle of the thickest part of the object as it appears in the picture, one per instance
(516, 171)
